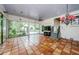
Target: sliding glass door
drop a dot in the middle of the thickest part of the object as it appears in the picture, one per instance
(2, 28)
(31, 28)
(18, 28)
(34, 28)
(23, 28)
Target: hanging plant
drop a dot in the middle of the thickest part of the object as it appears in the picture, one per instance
(68, 19)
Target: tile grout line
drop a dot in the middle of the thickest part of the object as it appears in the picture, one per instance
(24, 45)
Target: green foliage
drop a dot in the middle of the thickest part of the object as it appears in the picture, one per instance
(15, 29)
(18, 28)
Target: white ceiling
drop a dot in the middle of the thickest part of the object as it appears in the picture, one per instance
(36, 11)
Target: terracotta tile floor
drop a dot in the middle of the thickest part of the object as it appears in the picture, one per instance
(39, 45)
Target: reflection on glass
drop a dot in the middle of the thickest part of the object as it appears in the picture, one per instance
(0, 30)
(4, 28)
(23, 28)
(34, 28)
(17, 28)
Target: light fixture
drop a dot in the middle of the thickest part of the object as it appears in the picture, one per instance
(67, 18)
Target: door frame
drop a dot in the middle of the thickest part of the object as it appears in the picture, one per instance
(1, 16)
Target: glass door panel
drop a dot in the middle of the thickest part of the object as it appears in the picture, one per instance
(31, 28)
(40, 29)
(25, 27)
(37, 28)
(18, 28)
(0, 30)
(4, 28)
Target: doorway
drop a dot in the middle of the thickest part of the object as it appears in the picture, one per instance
(56, 32)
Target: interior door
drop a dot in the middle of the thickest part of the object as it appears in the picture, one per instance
(57, 28)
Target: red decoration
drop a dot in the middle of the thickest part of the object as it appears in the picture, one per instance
(70, 17)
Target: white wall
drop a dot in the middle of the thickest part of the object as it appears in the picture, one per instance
(47, 22)
(50, 21)
(1, 8)
(70, 31)
(17, 18)
(67, 31)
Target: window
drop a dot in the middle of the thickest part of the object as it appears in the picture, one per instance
(18, 28)
(21, 28)
(34, 28)
(37, 28)
(31, 27)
